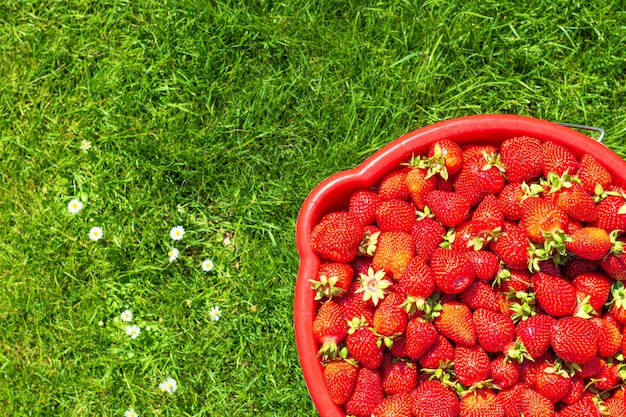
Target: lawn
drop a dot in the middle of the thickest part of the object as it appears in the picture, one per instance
(220, 117)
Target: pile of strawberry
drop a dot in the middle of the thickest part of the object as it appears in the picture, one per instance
(476, 281)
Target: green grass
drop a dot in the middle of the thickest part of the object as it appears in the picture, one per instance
(234, 111)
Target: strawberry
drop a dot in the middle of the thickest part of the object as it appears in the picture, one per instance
(574, 339)
(419, 183)
(557, 159)
(494, 330)
(452, 270)
(577, 266)
(590, 369)
(340, 378)
(481, 175)
(446, 157)
(504, 373)
(395, 216)
(352, 305)
(509, 399)
(329, 328)
(334, 279)
(390, 319)
(455, 321)
(614, 265)
(394, 251)
(363, 204)
(471, 364)
(608, 377)
(481, 403)
(523, 158)
(417, 279)
(612, 212)
(398, 375)
(363, 345)
(575, 201)
(576, 391)
(421, 335)
(433, 399)
(472, 150)
(367, 394)
(480, 295)
(534, 404)
(337, 236)
(529, 370)
(427, 235)
(552, 382)
(591, 173)
(440, 351)
(596, 286)
(590, 243)
(448, 207)
(488, 215)
(615, 406)
(554, 295)
(398, 349)
(393, 186)
(512, 247)
(398, 405)
(510, 201)
(486, 264)
(534, 333)
(541, 216)
(610, 342)
(583, 407)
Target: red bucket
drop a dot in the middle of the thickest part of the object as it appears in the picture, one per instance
(333, 194)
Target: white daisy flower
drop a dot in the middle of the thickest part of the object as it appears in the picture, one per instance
(133, 331)
(126, 316)
(207, 265)
(130, 413)
(180, 209)
(177, 232)
(85, 145)
(173, 254)
(95, 233)
(227, 241)
(215, 313)
(169, 385)
(74, 206)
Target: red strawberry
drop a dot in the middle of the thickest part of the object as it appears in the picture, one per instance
(574, 339)
(510, 400)
(455, 321)
(427, 235)
(590, 369)
(329, 328)
(448, 207)
(352, 305)
(486, 264)
(363, 345)
(590, 243)
(529, 369)
(494, 330)
(523, 158)
(393, 186)
(394, 251)
(471, 364)
(481, 403)
(390, 319)
(398, 405)
(584, 407)
(591, 173)
(340, 378)
(334, 279)
(440, 351)
(614, 265)
(539, 216)
(398, 375)
(576, 266)
(363, 204)
(480, 175)
(504, 373)
(367, 393)
(452, 270)
(433, 399)
(472, 150)
(419, 184)
(488, 215)
(447, 157)
(596, 286)
(576, 391)
(417, 279)
(512, 247)
(337, 237)
(534, 404)
(612, 212)
(534, 333)
(573, 199)
(615, 405)
(558, 159)
(510, 201)
(554, 295)
(480, 295)
(608, 377)
(398, 349)
(421, 335)
(395, 216)
(552, 382)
